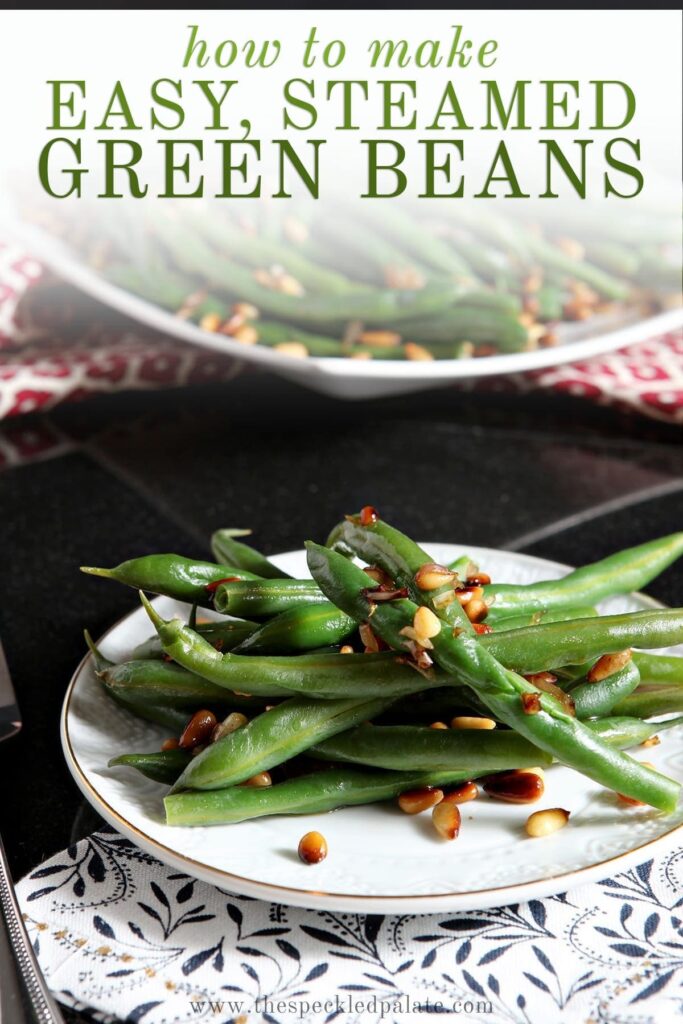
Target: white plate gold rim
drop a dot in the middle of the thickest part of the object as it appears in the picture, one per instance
(344, 378)
(320, 899)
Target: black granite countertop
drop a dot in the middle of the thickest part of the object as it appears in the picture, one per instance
(132, 473)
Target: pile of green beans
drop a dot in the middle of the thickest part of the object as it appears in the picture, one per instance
(336, 686)
(383, 282)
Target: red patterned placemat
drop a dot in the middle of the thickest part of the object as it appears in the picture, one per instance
(58, 361)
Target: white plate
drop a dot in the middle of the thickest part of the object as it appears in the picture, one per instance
(380, 860)
(348, 378)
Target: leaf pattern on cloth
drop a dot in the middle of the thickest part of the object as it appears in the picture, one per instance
(75, 356)
(118, 933)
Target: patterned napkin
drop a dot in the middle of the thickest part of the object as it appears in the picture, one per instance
(81, 349)
(118, 933)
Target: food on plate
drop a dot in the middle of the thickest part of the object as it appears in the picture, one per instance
(338, 690)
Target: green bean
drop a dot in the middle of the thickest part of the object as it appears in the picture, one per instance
(594, 700)
(184, 579)
(383, 306)
(624, 732)
(308, 794)
(432, 251)
(552, 256)
(172, 719)
(264, 598)
(471, 323)
(162, 684)
(485, 261)
(325, 676)
(543, 617)
(648, 701)
(615, 258)
(261, 252)
(419, 748)
(163, 287)
(274, 737)
(166, 766)
(462, 565)
(440, 704)
(299, 629)
(371, 255)
(554, 644)
(271, 333)
(552, 728)
(400, 557)
(659, 668)
(162, 766)
(550, 302)
(620, 573)
(227, 550)
(224, 635)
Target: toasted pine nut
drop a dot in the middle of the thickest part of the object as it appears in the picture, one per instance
(295, 230)
(346, 649)
(417, 638)
(246, 335)
(417, 353)
(430, 576)
(438, 725)
(363, 356)
(532, 282)
(234, 721)
(380, 339)
(515, 787)
(462, 794)
(476, 609)
(378, 575)
(446, 819)
(264, 277)
(629, 799)
(289, 285)
(210, 322)
(544, 823)
(170, 744)
(608, 665)
(369, 639)
(190, 304)
(537, 678)
(572, 248)
(467, 594)
(368, 515)
(652, 741)
(312, 848)
(403, 278)
(246, 310)
(478, 579)
(259, 781)
(198, 729)
(531, 703)
(232, 324)
(417, 800)
(470, 722)
(292, 348)
(426, 623)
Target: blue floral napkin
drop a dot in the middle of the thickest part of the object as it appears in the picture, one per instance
(121, 934)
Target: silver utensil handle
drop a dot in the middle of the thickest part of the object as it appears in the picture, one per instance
(24, 995)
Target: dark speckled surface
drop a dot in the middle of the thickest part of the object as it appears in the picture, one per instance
(137, 473)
